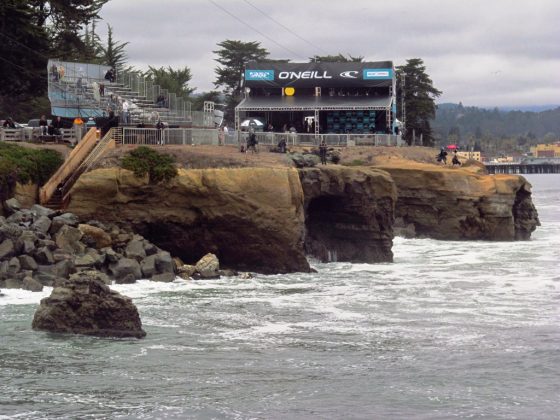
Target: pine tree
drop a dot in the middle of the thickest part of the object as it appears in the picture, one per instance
(233, 56)
(419, 100)
(113, 54)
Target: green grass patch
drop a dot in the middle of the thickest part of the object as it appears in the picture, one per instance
(144, 160)
(24, 165)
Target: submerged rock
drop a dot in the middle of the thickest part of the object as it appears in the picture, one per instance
(85, 305)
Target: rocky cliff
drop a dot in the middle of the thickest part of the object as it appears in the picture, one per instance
(456, 204)
(268, 219)
(348, 213)
(251, 218)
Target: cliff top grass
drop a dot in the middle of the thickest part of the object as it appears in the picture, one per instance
(23, 164)
(201, 157)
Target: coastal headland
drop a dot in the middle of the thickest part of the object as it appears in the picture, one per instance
(257, 212)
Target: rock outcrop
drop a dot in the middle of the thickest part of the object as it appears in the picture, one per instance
(85, 305)
(252, 219)
(348, 213)
(459, 204)
(40, 248)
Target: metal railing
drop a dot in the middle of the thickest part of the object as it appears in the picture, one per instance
(193, 136)
(302, 139)
(33, 134)
(180, 136)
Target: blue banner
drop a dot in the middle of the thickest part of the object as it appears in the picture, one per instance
(259, 74)
(377, 74)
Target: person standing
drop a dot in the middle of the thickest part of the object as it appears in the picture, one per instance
(43, 125)
(160, 128)
(323, 152)
(125, 112)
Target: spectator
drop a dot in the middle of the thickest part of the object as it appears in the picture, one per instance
(125, 116)
(55, 128)
(9, 123)
(43, 125)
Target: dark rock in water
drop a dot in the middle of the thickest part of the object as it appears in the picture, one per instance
(164, 263)
(208, 266)
(84, 305)
(163, 277)
(148, 266)
(29, 283)
(124, 267)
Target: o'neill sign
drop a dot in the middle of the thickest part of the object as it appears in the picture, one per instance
(319, 74)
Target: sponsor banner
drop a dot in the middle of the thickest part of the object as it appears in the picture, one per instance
(259, 74)
(307, 75)
(378, 74)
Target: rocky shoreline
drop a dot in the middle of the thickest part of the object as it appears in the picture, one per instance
(265, 220)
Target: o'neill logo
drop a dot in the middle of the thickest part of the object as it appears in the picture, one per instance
(303, 75)
(351, 74)
(378, 74)
(259, 74)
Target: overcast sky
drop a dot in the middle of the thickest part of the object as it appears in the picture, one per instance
(480, 52)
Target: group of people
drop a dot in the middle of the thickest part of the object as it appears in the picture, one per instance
(442, 157)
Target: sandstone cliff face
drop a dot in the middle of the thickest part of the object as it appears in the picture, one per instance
(455, 204)
(349, 213)
(251, 218)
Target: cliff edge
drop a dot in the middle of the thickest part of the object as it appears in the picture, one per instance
(457, 204)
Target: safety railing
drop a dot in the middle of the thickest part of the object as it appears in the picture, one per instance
(305, 139)
(179, 136)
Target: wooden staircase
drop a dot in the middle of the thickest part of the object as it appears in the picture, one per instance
(56, 192)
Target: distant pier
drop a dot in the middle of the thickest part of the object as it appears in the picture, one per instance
(526, 166)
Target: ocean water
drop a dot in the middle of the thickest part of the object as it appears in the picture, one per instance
(449, 330)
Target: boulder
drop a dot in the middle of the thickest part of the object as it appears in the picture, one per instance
(126, 279)
(85, 305)
(135, 250)
(27, 262)
(68, 239)
(42, 224)
(66, 219)
(124, 267)
(163, 277)
(98, 275)
(13, 266)
(44, 256)
(29, 283)
(164, 262)
(7, 249)
(12, 205)
(148, 266)
(101, 238)
(38, 210)
(186, 271)
(64, 268)
(13, 283)
(208, 266)
(110, 255)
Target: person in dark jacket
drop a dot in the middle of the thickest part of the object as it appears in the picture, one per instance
(44, 125)
(9, 123)
(323, 152)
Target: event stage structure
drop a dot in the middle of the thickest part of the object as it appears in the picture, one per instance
(320, 98)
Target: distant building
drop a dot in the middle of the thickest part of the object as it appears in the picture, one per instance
(546, 150)
(472, 155)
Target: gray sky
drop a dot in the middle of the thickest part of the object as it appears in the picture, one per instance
(480, 52)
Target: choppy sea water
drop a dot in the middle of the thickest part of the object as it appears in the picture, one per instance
(449, 330)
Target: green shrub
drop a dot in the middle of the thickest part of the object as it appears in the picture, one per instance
(355, 162)
(144, 160)
(22, 164)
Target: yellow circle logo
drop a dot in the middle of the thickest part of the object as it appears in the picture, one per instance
(289, 91)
